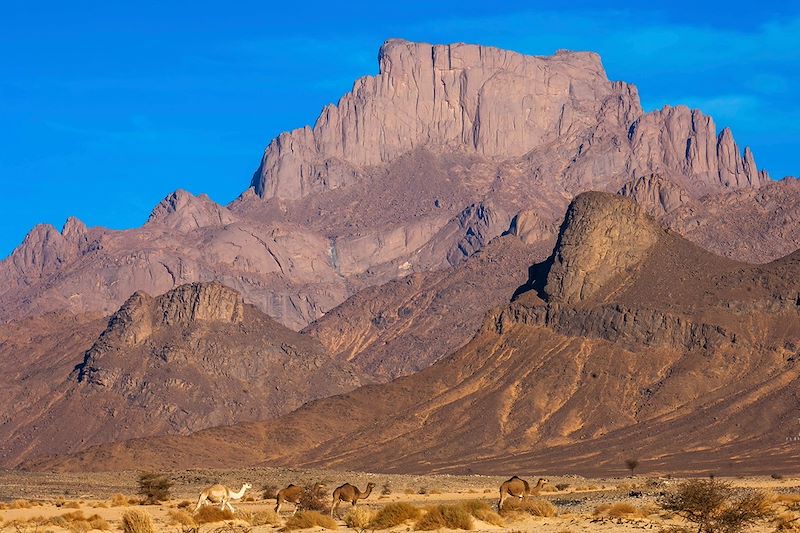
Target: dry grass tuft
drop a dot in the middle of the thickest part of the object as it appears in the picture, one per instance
(358, 518)
(119, 500)
(208, 514)
(445, 516)
(181, 518)
(18, 504)
(618, 510)
(137, 521)
(483, 512)
(308, 519)
(787, 521)
(266, 517)
(395, 514)
(531, 506)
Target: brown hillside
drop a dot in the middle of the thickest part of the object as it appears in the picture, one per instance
(607, 354)
(192, 358)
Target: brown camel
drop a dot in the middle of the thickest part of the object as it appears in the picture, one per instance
(518, 488)
(349, 493)
(293, 494)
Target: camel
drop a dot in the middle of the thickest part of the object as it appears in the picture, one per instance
(349, 493)
(221, 494)
(518, 488)
(293, 494)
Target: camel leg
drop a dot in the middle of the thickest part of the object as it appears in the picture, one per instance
(333, 507)
(278, 507)
(200, 501)
(500, 503)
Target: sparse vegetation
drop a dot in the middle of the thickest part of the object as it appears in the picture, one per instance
(153, 487)
(211, 513)
(386, 489)
(181, 518)
(264, 517)
(445, 516)
(137, 521)
(715, 507)
(394, 514)
(308, 519)
(358, 518)
(313, 500)
(562, 486)
(631, 464)
(118, 500)
(531, 506)
(482, 511)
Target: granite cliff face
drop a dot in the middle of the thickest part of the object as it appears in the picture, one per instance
(690, 363)
(499, 104)
(414, 170)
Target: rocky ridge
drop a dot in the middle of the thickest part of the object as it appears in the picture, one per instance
(680, 375)
(194, 357)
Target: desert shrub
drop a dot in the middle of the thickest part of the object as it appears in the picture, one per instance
(17, 504)
(445, 516)
(259, 518)
(482, 511)
(71, 505)
(118, 500)
(211, 513)
(313, 500)
(386, 489)
(777, 476)
(601, 509)
(422, 490)
(181, 518)
(531, 506)
(787, 522)
(308, 519)
(715, 507)
(137, 521)
(619, 510)
(562, 486)
(184, 504)
(631, 464)
(394, 514)
(153, 487)
(269, 492)
(358, 518)
(265, 517)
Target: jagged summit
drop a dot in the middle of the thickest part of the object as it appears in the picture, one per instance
(484, 100)
(183, 211)
(499, 104)
(604, 236)
(142, 314)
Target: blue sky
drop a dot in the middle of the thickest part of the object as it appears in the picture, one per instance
(106, 107)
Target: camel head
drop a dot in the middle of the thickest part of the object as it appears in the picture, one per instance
(370, 485)
(247, 486)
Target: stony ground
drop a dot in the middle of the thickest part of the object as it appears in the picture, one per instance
(30, 499)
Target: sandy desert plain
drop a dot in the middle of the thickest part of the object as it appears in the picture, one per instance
(33, 502)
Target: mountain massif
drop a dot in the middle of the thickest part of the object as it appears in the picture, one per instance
(627, 342)
(428, 250)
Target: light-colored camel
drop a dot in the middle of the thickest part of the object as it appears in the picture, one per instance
(222, 495)
(293, 494)
(518, 488)
(349, 493)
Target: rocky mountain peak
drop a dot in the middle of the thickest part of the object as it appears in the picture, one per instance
(471, 98)
(183, 211)
(604, 236)
(141, 314)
